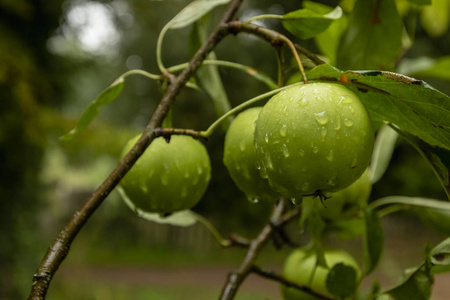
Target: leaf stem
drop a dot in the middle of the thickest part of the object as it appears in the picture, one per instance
(220, 239)
(141, 72)
(267, 16)
(424, 202)
(249, 70)
(159, 47)
(240, 107)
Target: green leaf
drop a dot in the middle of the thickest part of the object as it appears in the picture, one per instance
(382, 152)
(440, 257)
(416, 285)
(435, 18)
(342, 280)
(208, 75)
(373, 241)
(193, 12)
(313, 19)
(328, 41)
(347, 228)
(440, 69)
(411, 104)
(374, 36)
(105, 98)
(437, 158)
(182, 218)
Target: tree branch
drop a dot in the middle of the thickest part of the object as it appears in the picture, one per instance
(59, 248)
(236, 278)
(273, 276)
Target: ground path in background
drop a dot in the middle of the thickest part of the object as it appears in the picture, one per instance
(212, 277)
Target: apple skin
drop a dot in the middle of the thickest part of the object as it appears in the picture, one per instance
(168, 177)
(313, 138)
(300, 265)
(349, 200)
(240, 157)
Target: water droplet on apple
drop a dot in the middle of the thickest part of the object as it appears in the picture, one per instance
(253, 199)
(321, 118)
(305, 186)
(165, 178)
(348, 122)
(323, 133)
(296, 201)
(332, 180)
(283, 131)
(330, 155)
(285, 151)
(303, 102)
(337, 126)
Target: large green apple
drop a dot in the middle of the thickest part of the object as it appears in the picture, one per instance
(313, 138)
(168, 177)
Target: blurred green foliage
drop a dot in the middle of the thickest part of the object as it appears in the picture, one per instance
(49, 74)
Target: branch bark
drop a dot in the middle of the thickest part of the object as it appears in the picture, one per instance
(236, 278)
(59, 248)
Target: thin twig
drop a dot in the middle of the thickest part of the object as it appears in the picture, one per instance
(309, 55)
(59, 248)
(236, 278)
(168, 132)
(273, 276)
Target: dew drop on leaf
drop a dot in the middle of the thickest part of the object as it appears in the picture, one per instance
(242, 145)
(263, 172)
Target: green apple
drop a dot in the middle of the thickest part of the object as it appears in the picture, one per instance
(168, 177)
(313, 139)
(348, 200)
(240, 157)
(300, 267)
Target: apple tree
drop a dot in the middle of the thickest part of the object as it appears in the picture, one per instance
(313, 144)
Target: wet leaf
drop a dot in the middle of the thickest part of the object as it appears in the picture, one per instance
(310, 21)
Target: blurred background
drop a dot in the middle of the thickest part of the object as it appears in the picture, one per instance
(55, 58)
